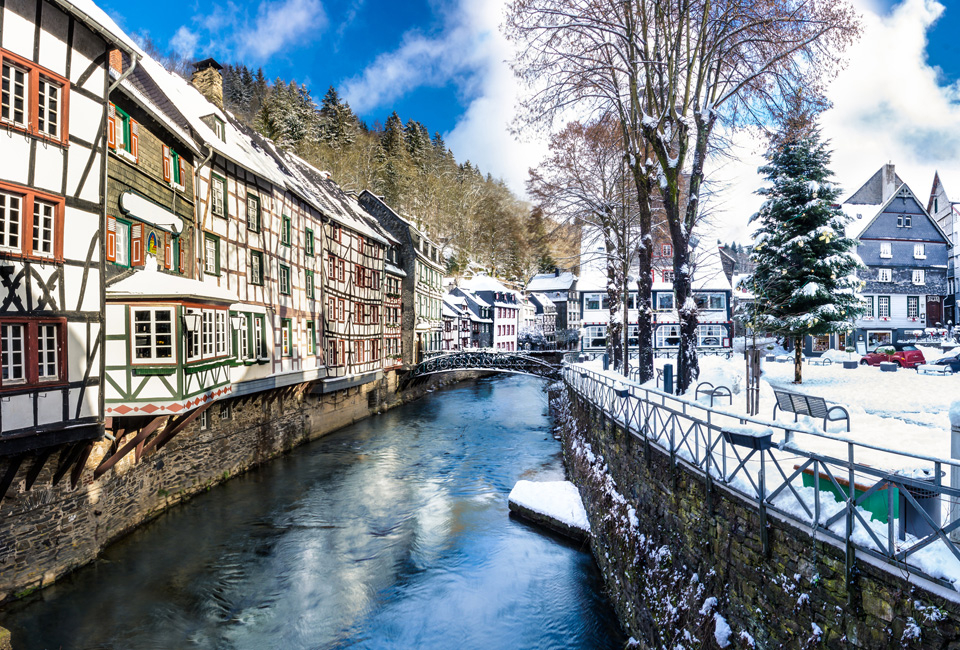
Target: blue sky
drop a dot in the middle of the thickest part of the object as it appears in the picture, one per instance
(442, 62)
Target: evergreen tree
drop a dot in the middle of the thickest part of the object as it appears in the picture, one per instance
(805, 279)
(337, 124)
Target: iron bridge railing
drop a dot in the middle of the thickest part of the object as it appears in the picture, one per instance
(511, 362)
(888, 504)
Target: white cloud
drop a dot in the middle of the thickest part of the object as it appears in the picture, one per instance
(184, 42)
(887, 107)
(470, 53)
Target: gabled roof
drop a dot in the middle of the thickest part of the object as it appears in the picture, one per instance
(551, 282)
(904, 188)
(871, 192)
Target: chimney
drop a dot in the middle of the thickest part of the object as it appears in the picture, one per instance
(116, 61)
(208, 80)
(888, 182)
(556, 271)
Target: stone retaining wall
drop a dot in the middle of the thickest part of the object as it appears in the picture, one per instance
(50, 530)
(685, 569)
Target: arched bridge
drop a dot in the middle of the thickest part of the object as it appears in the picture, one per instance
(546, 366)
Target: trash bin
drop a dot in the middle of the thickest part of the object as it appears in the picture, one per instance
(911, 521)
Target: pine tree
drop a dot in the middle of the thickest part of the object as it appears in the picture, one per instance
(805, 279)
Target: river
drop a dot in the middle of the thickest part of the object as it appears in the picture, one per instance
(391, 533)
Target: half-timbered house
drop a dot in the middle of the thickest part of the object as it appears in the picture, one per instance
(52, 175)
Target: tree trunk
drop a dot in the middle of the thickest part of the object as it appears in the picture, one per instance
(641, 178)
(688, 368)
(615, 286)
(798, 359)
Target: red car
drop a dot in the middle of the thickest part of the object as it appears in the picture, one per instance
(908, 356)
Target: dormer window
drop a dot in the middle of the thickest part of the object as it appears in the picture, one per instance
(884, 275)
(220, 128)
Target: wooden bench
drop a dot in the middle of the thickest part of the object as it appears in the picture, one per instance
(819, 361)
(815, 407)
(930, 369)
(713, 391)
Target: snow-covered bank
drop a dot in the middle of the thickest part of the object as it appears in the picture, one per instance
(554, 504)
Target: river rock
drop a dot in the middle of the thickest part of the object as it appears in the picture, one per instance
(552, 504)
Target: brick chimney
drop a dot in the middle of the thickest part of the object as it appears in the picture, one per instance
(888, 182)
(208, 80)
(116, 60)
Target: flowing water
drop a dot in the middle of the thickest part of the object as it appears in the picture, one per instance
(392, 533)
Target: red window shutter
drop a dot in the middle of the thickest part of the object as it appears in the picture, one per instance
(167, 168)
(111, 126)
(111, 239)
(135, 140)
(136, 244)
(167, 251)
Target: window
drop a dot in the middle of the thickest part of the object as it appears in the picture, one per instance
(253, 213)
(668, 275)
(710, 335)
(311, 338)
(259, 348)
(666, 250)
(821, 343)
(207, 334)
(883, 306)
(30, 224)
(193, 339)
(710, 301)
(885, 249)
(218, 196)
(121, 243)
(360, 276)
(11, 220)
(664, 301)
(285, 228)
(243, 338)
(907, 221)
(173, 169)
(256, 268)
(667, 336)
(285, 280)
(226, 412)
(918, 276)
(597, 301)
(211, 254)
(286, 337)
(33, 99)
(868, 311)
(204, 420)
(18, 340)
(596, 336)
(221, 333)
(919, 252)
(884, 275)
(308, 284)
(220, 128)
(913, 306)
(332, 357)
(43, 228)
(153, 333)
(308, 243)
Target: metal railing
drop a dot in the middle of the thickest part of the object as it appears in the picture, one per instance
(889, 504)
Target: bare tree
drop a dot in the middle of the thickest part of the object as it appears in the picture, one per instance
(585, 180)
(671, 69)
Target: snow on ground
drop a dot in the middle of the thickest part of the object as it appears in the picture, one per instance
(559, 500)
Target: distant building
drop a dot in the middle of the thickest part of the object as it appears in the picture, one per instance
(506, 309)
(546, 318)
(481, 318)
(561, 289)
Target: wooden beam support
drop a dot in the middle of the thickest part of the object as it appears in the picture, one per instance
(174, 428)
(81, 461)
(132, 444)
(38, 464)
(67, 456)
(10, 474)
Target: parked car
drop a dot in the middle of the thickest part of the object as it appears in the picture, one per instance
(908, 356)
(952, 360)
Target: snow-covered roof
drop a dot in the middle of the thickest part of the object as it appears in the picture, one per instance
(551, 282)
(706, 265)
(543, 299)
(740, 293)
(97, 19)
(395, 270)
(484, 283)
(150, 283)
(449, 310)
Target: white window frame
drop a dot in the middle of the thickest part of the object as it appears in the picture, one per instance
(883, 301)
(13, 353)
(44, 227)
(919, 252)
(218, 196)
(886, 250)
(884, 275)
(665, 331)
(10, 229)
(220, 336)
(207, 334)
(710, 330)
(48, 345)
(243, 339)
(286, 288)
(146, 340)
(210, 255)
(256, 268)
(663, 295)
(6, 109)
(49, 95)
(258, 337)
(913, 304)
(194, 349)
(122, 246)
(919, 277)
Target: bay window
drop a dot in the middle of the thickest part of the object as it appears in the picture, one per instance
(153, 331)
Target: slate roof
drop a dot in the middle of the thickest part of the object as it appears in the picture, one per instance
(871, 192)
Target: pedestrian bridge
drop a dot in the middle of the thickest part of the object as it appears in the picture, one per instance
(545, 365)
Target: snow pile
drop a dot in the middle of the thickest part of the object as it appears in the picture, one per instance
(720, 372)
(838, 355)
(558, 500)
(722, 632)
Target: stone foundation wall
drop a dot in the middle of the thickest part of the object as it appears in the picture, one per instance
(50, 530)
(687, 569)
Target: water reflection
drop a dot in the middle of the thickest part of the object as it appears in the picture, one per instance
(390, 534)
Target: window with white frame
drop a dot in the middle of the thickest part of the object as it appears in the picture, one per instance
(886, 249)
(919, 251)
(285, 280)
(883, 306)
(211, 257)
(207, 334)
(710, 335)
(153, 334)
(218, 196)
(286, 337)
(48, 107)
(258, 348)
(226, 412)
(710, 301)
(44, 214)
(12, 357)
(918, 276)
(253, 213)
(664, 301)
(913, 306)
(667, 336)
(243, 339)
(884, 275)
(221, 333)
(11, 220)
(668, 275)
(14, 98)
(48, 362)
(256, 268)
(193, 336)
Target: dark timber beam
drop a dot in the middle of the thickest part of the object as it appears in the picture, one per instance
(131, 445)
(38, 464)
(10, 474)
(81, 461)
(67, 456)
(174, 428)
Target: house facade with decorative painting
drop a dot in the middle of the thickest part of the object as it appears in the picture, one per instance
(55, 101)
